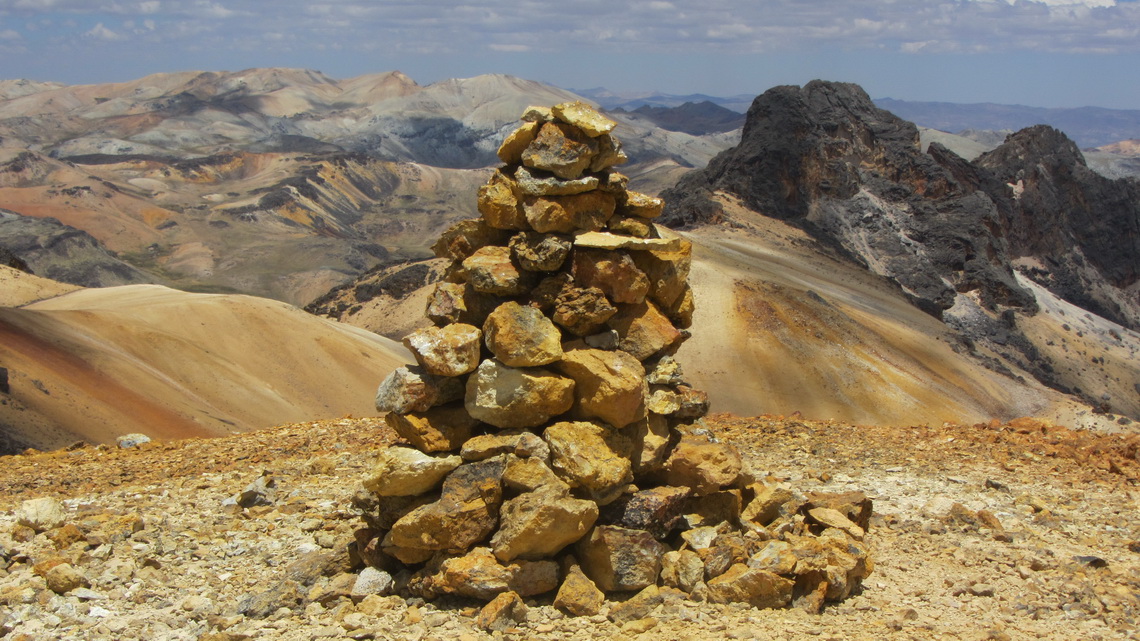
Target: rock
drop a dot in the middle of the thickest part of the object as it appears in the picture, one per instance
(651, 439)
(539, 252)
(510, 152)
(682, 309)
(452, 350)
(758, 588)
(131, 440)
(498, 202)
(64, 578)
(578, 595)
(618, 558)
(643, 329)
(403, 471)
(521, 336)
(539, 183)
(668, 272)
(656, 510)
(560, 149)
(413, 389)
(613, 272)
(583, 454)
(608, 241)
(666, 371)
(479, 575)
(663, 400)
(582, 310)
(715, 507)
(607, 340)
(627, 226)
(682, 569)
(833, 518)
(501, 612)
(765, 506)
(774, 556)
(530, 474)
(703, 466)
(283, 594)
(694, 403)
(546, 292)
(447, 303)
(485, 446)
(371, 582)
(466, 237)
(510, 397)
(639, 605)
(539, 524)
(262, 491)
(490, 271)
(41, 514)
(440, 429)
(642, 205)
(610, 154)
(565, 214)
(608, 385)
(579, 114)
(465, 514)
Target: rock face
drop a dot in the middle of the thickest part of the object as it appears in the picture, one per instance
(577, 444)
(954, 235)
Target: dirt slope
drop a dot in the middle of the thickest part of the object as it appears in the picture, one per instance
(97, 363)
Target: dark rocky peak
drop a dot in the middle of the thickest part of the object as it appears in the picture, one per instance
(826, 158)
(8, 259)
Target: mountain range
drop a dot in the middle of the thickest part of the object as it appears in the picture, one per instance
(860, 272)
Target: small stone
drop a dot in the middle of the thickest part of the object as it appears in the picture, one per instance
(64, 578)
(833, 518)
(682, 569)
(452, 350)
(537, 113)
(131, 440)
(517, 397)
(668, 272)
(774, 556)
(501, 612)
(641, 604)
(656, 510)
(628, 226)
(703, 466)
(372, 582)
(522, 336)
(262, 491)
(642, 205)
(694, 403)
(578, 595)
(610, 154)
(607, 340)
(584, 117)
(764, 508)
(403, 471)
(588, 455)
(530, 474)
(490, 271)
(414, 389)
(651, 438)
(41, 514)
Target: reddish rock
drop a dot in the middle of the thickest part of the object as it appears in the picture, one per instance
(618, 558)
(440, 429)
(490, 270)
(613, 272)
(609, 385)
(644, 330)
(582, 310)
(565, 214)
(589, 456)
(703, 466)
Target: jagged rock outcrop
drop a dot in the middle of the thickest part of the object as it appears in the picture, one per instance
(824, 157)
(1079, 230)
(553, 439)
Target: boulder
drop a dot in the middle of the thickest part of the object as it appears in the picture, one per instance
(656, 510)
(668, 272)
(758, 588)
(490, 271)
(642, 205)
(774, 556)
(578, 595)
(498, 202)
(440, 429)
(522, 336)
(532, 182)
(539, 524)
(608, 385)
(643, 329)
(584, 117)
(517, 442)
(510, 152)
(561, 149)
(618, 558)
(682, 569)
(41, 514)
(452, 350)
(539, 252)
(588, 456)
(414, 389)
(613, 272)
(702, 465)
(465, 514)
(512, 397)
(530, 474)
(606, 240)
(479, 575)
(404, 471)
(565, 214)
(582, 310)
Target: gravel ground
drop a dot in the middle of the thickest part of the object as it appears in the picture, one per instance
(1017, 531)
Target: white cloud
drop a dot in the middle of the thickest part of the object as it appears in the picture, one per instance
(100, 32)
(10, 34)
(509, 48)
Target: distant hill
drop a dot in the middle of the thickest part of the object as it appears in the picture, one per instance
(1087, 126)
(630, 101)
(696, 118)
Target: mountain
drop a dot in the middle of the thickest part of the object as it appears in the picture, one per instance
(273, 182)
(696, 118)
(632, 100)
(1088, 126)
(92, 364)
(956, 238)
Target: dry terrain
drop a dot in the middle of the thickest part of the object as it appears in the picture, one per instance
(1013, 531)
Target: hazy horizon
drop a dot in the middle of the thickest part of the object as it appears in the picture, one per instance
(1042, 53)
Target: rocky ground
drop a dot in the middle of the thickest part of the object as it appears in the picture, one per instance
(1015, 531)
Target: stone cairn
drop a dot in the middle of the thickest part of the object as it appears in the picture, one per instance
(554, 446)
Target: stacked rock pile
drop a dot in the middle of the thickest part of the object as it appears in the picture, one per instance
(553, 442)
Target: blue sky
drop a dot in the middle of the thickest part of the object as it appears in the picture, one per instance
(1048, 53)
